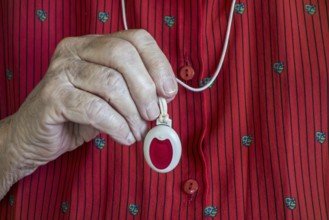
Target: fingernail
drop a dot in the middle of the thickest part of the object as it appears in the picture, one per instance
(169, 86)
(153, 111)
(130, 138)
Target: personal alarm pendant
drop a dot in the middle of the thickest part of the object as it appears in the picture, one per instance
(162, 146)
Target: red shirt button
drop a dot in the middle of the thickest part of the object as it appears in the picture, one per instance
(191, 187)
(186, 72)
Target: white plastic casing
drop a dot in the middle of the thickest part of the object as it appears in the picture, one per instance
(163, 132)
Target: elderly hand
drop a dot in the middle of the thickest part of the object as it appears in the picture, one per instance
(108, 83)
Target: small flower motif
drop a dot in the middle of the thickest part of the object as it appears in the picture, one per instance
(133, 209)
(246, 140)
(11, 200)
(169, 20)
(100, 143)
(65, 206)
(103, 16)
(205, 81)
(9, 74)
(210, 211)
(320, 136)
(310, 8)
(290, 203)
(42, 15)
(278, 67)
(239, 8)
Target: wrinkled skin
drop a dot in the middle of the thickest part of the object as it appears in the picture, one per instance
(95, 83)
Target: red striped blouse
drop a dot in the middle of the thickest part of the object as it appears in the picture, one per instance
(255, 142)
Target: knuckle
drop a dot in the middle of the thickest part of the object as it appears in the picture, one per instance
(119, 46)
(64, 46)
(76, 71)
(112, 79)
(121, 51)
(64, 54)
(143, 36)
(72, 66)
(113, 84)
(65, 41)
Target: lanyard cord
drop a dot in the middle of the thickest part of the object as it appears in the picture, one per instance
(220, 63)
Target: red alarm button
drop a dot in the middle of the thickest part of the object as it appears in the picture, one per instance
(162, 148)
(191, 187)
(161, 153)
(186, 72)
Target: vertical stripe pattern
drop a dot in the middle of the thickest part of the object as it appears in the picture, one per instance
(256, 142)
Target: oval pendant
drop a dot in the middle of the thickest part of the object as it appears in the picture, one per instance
(162, 148)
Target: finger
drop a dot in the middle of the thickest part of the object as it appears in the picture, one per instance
(84, 133)
(109, 85)
(84, 108)
(154, 60)
(122, 56)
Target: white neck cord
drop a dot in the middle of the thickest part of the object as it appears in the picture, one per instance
(227, 36)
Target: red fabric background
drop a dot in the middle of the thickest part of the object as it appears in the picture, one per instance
(279, 113)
